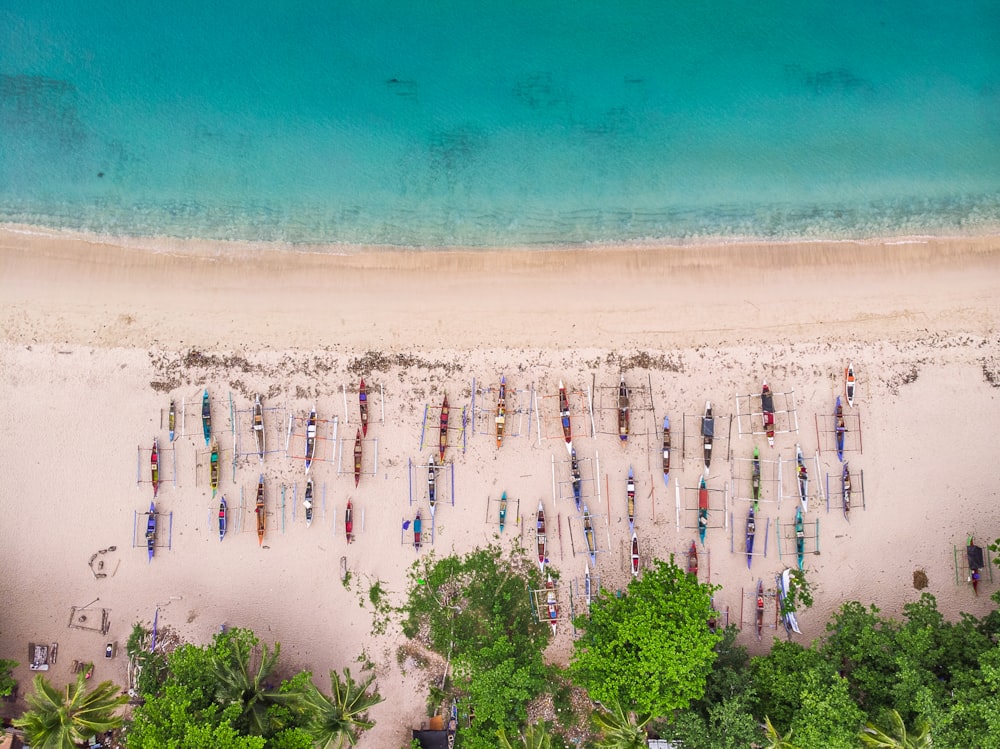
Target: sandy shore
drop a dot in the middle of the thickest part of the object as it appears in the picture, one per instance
(98, 337)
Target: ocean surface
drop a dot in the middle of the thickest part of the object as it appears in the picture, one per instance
(501, 123)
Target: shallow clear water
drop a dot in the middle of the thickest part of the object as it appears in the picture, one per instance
(501, 123)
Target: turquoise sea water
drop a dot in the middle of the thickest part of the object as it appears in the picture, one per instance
(501, 123)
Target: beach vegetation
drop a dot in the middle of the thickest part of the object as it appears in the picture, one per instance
(620, 728)
(7, 682)
(71, 716)
(340, 718)
(149, 663)
(649, 649)
(892, 733)
(532, 736)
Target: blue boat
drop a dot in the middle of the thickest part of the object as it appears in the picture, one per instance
(151, 531)
(206, 417)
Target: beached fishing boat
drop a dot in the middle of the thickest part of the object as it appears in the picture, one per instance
(503, 510)
(760, 609)
(432, 484)
(154, 467)
(417, 529)
(845, 489)
(151, 530)
(206, 417)
(574, 466)
(802, 476)
(849, 384)
(767, 406)
(840, 426)
(666, 451)
(258, 427)
(974, 556)
(213, 467)
(800, 537)
(259, 511)
(708, 434)
(635, 555)
(567, 427)
(223, 509)
(588, 533)
(310, 439)
(172, 421)
(623, 410)
(755, 479)
(702, 509)
(588, 594)
(363, 403)
(308, 502)
(788, 617)
(550, 603)
(443, 437)
(357, 459)
(630, 495)
(349, 521)
(693, 559)
(540, 537)
(751, 532)
(501, 417)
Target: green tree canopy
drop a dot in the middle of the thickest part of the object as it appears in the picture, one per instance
(61, 719)
(650, 648)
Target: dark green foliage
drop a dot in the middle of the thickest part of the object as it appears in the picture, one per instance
(7, 682)
(151, 665)
(69, 716)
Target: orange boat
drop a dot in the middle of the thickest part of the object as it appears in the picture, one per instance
(363, 399)
(357, 459)
(259, 511)
(444, 427)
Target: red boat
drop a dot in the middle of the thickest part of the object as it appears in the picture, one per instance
(154, 465)
(693, 559)
(349, 521)
(443, 441)
(760, 608)
(357, 459)
(363, 399)
(635, 555)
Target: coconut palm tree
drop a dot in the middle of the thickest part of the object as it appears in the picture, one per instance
(777, 741)
(896, 736)
(338, 720)
(618, 730)
(62, 719)
(535, 736)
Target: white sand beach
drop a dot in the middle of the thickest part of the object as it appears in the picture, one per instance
(98, 337)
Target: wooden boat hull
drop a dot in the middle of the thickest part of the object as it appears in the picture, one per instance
(666, 451)
(751, 533)
(357, 459)
(755, 478)
(564, 417)
(760, 609)
(802, 477)
(577, 479)
(800, 537)
(693, 559)
(223, 520)
(206, 418)
(213, 473)
(349, 521)
(635, 555)
(767, 407)
(154, 468)
(258, 427)
(702, 510)
(308, 502)
(551, 605)
(443, 437)
(845, 489)
(310, 439)
(540, 538)
(849, 384)
(623, 411)
(708, 434)
(501, 417)
(172, 421)
(363, 406)
(588, 533)
(630, 498)
(841, 428)
(259, 512)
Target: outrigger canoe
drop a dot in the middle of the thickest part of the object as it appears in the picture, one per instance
(349, 521)
(630, 494)
(503, 510)
(574, 465)
(154, 467)
(357, 459)
(258, 426)
(443, 437)
(974, 556)
(540, 538)
(206, 417)
(708, 433)
(755, 479)
(501, 417)
(803, 479)
(666, 451)
(310, 439)
(567, 426)
(213, 467)
(767, 406)
(151, 530)
(363, 402)
(222, 518)
(635, 555)
(800, 537)
(550, 604)
(259, 511)
(172, 420)
(845, 488)
(751, 532)
(693, 559)
(432, 484)
(588, 594)
(849, 384)
(841, 427)
(308, 502)
(417, 528)
(623, 410)
(702, 510)
(760, 609)
(588, 532)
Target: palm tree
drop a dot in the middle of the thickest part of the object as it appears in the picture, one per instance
(897, 737)
(338, 720)
(777, 740)
(237, 683)
(535, 736)
(618, 731)
(62, 719)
